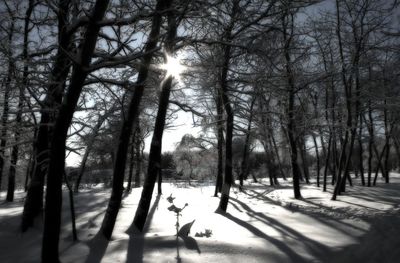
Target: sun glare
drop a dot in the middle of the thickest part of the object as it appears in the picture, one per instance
(173, 67)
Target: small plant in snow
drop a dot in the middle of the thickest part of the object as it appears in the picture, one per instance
(207, 233)
(184, 231)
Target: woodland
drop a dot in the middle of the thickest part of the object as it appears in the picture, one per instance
(289, 149)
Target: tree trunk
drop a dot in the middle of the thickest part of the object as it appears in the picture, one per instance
(52, 215)
(34, 198)
(269, 164)
(133, 111)
(154, 167)
(303, 156)
(7, 90)
(245, 159)
(318, 161)
(138, 156)
(228, 178)
(328, 155)
(343, 161)
(397, 150)
(21, 97)
(290, 110)
(131, 162)
(370, 143)
(360, 152)
(220, 142)
(380, 166)
(71, 207)
(4, 123)
(275, 147)
(160, 178)
(387, 142)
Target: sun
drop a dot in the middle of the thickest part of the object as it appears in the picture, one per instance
(173, 67)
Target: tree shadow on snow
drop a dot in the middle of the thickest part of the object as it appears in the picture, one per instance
(293, 256)
(98, 246)
(136, 238)
(314, 248)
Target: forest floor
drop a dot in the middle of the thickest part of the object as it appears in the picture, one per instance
(263, 224)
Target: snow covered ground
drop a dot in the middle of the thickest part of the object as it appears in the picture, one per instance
(263, 224)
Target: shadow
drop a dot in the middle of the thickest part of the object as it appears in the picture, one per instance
(98, 246)
(190, 243)
(235, 206)
(314, 248)
(136, 238)
(377, 245)
(324, 214)
(293, 256)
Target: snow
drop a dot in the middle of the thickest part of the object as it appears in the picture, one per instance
(263, 224)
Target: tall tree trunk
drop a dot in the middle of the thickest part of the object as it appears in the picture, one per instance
(138, 156)
(387, 142)
(397, 150)
(360, 152)
(220, 143)
(52, 215)
(380, 165)
(154, 167)
(370, 143)
(276, 151)
(133, 111)
(34, 198)
(7, 90)
(291, 130)
(343, 161)
(327, 159)
(318, 161)
(71, 207)
(21, 97)
(269, 164)
(245, 159)
(159, 182)
(4, 123)
(303, 156)
(228, 178)
(131, 162)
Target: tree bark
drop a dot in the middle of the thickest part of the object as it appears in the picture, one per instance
(318, 161)
(138, 156)
(52, 215)
(131, 162)
(387, 142)
(7, 90)
(21, 98)
(220, 143)
(328, 155)
(228, 178)
(360, 152)
(303, 156)
(245, 159)
(34, 198)
(290, 108)
(370, 143)
(154, 167)
(133, 111)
